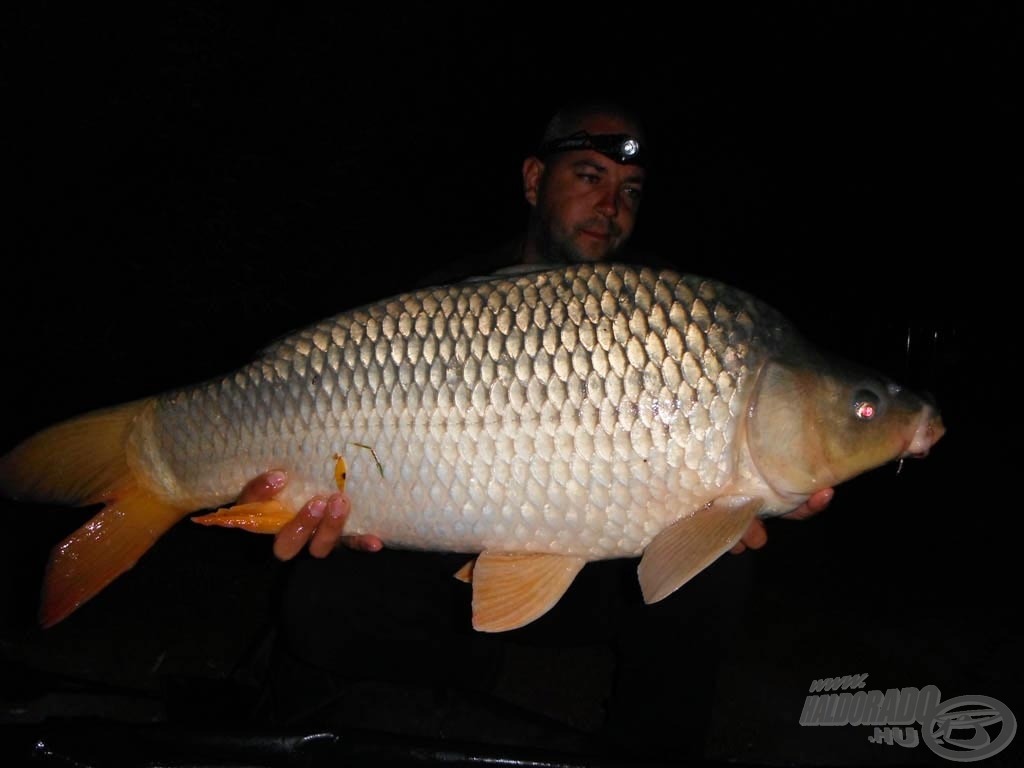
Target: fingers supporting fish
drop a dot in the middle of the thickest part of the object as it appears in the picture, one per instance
(320, 524)
(328, 532)
(264, 487)
(363, 543)
(815, 504)
(296, 533)
(755, 537)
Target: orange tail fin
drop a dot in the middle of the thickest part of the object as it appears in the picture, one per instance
(78, 463)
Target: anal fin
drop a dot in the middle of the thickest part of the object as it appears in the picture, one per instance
(691, 544)
(511, 589)
(257, 516)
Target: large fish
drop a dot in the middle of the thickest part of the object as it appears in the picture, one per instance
(539, 420)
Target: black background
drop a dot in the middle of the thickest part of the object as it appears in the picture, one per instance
(193, 180)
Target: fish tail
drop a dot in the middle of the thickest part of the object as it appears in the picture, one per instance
(82, 462)
(76, 462)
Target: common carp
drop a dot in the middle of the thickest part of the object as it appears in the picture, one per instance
(538, 421)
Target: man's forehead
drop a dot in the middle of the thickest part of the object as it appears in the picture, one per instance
(582, 159)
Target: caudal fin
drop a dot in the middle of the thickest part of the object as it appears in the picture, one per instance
(78, 463)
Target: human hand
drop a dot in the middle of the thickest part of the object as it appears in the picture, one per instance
(320, 523)
(756, 535)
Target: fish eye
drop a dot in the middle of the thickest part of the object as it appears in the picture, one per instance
(865, 405)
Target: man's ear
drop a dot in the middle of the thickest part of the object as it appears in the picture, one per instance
(533, 172)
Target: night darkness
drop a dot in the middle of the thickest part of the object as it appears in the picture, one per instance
(194, 180)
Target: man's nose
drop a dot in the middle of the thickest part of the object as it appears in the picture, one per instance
(608, 204)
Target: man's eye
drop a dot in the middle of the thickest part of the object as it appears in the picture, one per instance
(590, 178)
(634, 193)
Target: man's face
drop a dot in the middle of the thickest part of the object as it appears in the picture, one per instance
(585, 204)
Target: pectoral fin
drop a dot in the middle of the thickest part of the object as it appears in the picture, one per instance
(257, 516)
(691, 544)
(512, 589)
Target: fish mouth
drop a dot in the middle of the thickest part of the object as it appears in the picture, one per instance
(929, 430)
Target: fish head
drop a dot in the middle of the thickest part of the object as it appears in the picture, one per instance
(815, 423)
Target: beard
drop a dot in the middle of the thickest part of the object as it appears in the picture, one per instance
(564, 246)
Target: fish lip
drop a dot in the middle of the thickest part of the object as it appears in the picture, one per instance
(908, 454)
(929, 431)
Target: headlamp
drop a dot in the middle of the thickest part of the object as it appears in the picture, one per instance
(620, 147)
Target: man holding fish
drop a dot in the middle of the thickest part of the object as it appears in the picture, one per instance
(584, 186)
(646, 414)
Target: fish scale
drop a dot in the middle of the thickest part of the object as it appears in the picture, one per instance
(582, 427)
